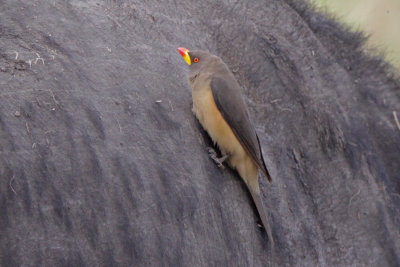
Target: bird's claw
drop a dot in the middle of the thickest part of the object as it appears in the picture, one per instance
(214, 157)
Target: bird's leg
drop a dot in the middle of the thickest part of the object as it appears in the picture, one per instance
(218, 161)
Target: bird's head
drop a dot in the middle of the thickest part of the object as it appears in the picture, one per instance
(197, 60)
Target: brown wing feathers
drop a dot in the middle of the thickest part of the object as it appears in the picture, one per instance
(227, 97)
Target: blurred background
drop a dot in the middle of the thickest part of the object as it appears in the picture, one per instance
(379, 19)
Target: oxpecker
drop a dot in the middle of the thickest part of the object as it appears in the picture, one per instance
(219, 106)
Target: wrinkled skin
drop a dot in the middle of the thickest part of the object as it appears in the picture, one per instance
(103, 163)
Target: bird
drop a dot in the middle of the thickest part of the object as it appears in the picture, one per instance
(219, 106)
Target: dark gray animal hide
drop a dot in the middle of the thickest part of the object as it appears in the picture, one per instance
(103, 163)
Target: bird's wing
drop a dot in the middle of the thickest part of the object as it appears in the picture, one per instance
(228, 98)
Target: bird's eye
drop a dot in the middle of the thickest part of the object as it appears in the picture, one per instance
(195, 60)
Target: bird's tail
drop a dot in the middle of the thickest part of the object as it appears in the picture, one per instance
(249, 172)
(255, 194)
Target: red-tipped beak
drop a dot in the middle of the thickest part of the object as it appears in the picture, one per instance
(185, 54)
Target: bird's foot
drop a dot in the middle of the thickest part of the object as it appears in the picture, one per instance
(218, 161)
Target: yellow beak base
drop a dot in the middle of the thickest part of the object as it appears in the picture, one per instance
(185, 54)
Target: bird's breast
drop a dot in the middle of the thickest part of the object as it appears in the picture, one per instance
(221, 133)
(213, 122)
